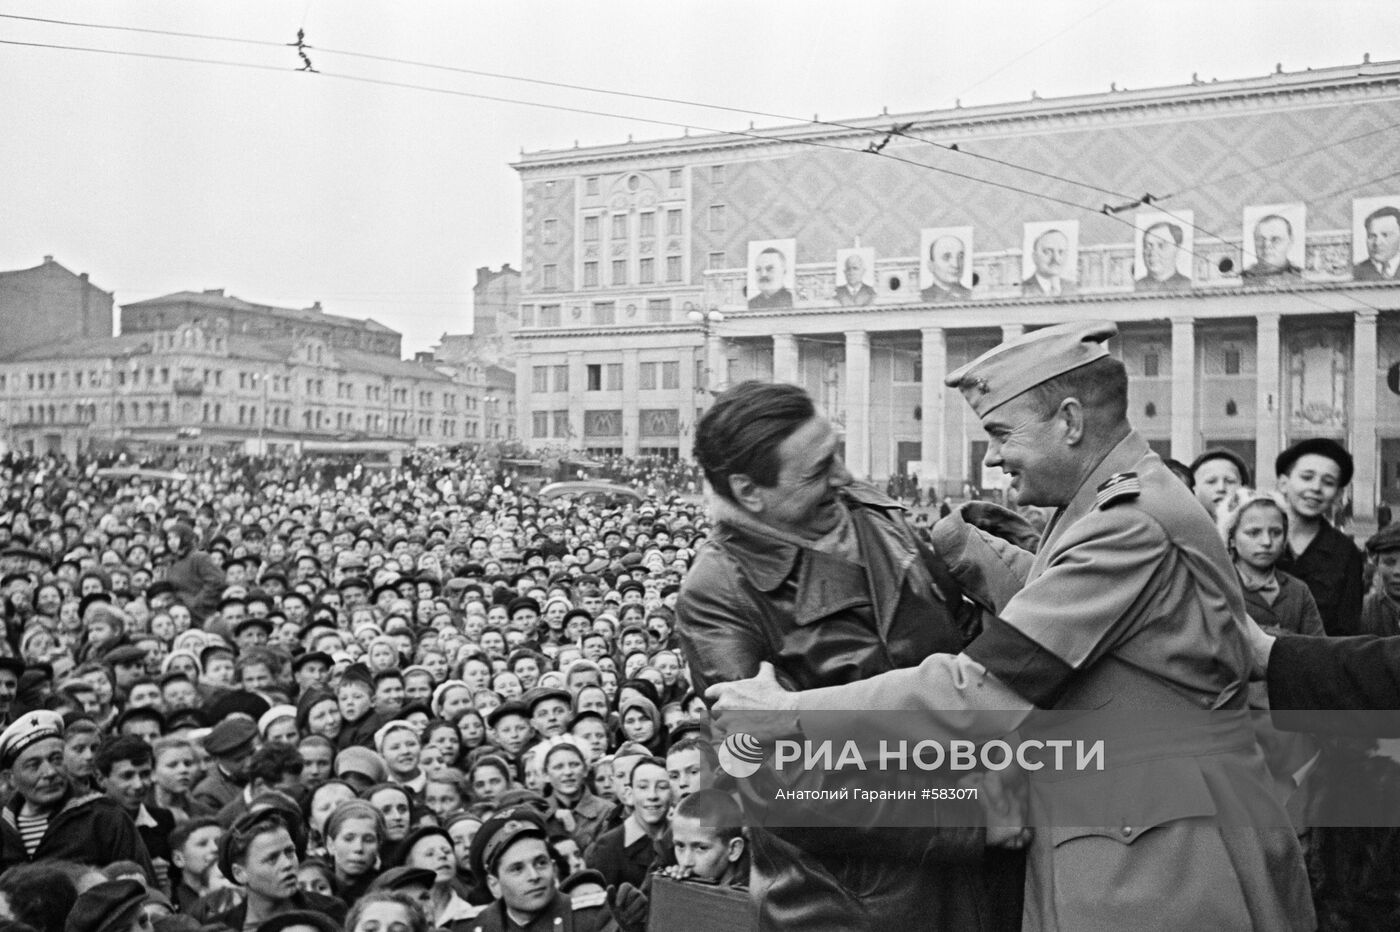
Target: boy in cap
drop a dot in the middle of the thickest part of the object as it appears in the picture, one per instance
(46, 819)
(1311, 474)
(114, 906)
(259, 853)
(1380, 612)
(355, 695)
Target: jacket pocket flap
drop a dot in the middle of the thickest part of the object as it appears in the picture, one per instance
(1123, 803)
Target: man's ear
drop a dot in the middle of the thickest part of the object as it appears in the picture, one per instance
(746, 492)
(240, 875)
(736, 849)
(494, 886)
(1071, 417)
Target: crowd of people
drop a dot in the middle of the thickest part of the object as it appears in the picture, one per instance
(278, 695)
(360, 698)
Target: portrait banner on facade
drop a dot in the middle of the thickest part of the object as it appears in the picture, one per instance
(945, 264)
(1375, 238)
(1275, 242)
(772, 273)
(855, 276)
(1163, 258)
(1050, 258)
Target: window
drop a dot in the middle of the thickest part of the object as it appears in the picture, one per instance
(550, 278)
(646, 271)
(673, 223)
(658, 310)
(549, 315)
(590, 186)
(646, 377)
(1232, 362)
(646, 224)
(561, 423)
(561, 378)
(590, 229)
(619, 226)
(527, 315)
(716, 174)
(549, 231)
(595, 378)
(716, 260)
(619, 272)
(670, 375)
(539, 424)
(673, 268)
(673, 178)
(590, 275)
(549, 187)
(604, 313)
(613, 376)
(716, 218)
(1150, 365)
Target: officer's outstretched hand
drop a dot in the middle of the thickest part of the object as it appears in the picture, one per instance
(758, 706)
(629, 907)
(1261, 644)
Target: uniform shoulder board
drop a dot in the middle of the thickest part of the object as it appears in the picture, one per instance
(1118, 488)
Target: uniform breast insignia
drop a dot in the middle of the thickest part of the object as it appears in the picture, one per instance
(1117, 488)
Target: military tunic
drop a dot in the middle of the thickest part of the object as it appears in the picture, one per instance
(1131, 603)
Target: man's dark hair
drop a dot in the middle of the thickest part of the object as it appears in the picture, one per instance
(39, 895)
(1101, 387)
(119, 748)
(184, 830)
(273, 762)
(1177, 234)
(1379, 213)
(716, 810)
(742, 431)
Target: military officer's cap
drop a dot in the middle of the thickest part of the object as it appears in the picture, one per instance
(1017, 366)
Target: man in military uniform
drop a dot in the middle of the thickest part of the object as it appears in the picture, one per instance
(1130, 604)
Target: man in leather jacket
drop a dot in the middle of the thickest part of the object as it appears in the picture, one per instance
(824, 579)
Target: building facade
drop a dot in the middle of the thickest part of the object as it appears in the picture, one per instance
(48, 303)
(1242, 235)
(212, 377)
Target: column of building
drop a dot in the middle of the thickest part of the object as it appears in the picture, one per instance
(1268, 399)
(1365, 449)
(858, 403)
(933, 439)
(1183, 389)
(688, 404)
(631, 403)
(578, 381)
(785, 359)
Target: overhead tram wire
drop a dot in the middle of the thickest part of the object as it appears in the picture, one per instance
(565, 85)
(764, 136)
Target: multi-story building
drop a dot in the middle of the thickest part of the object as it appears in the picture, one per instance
(486, 355)
(48, 303)
(212, 376)
(1229, 228)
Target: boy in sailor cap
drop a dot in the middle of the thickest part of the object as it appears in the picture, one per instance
(1130, 602)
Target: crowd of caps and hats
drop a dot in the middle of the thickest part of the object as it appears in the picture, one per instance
(418, 697)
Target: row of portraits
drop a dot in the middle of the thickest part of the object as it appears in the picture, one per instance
(1164, 255)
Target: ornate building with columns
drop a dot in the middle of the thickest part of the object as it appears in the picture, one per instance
(638, 271)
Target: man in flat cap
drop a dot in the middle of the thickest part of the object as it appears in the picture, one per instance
(47, 819)
(1380, 612)
(512, 852)
(1130, 602)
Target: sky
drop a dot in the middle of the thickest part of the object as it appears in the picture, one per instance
(282, 187)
